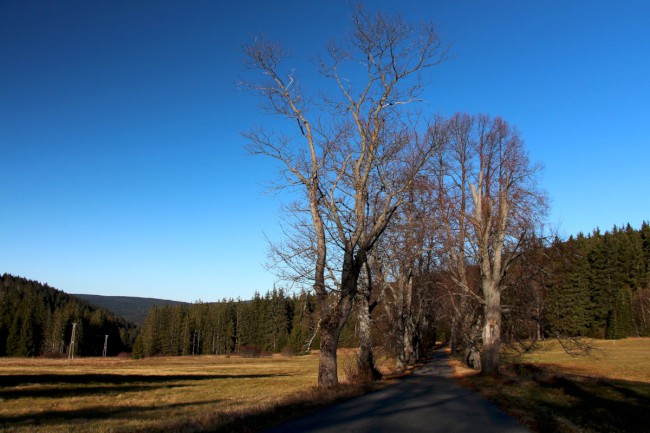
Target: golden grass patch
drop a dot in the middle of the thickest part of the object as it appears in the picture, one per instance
(154, 394)
(613, 359)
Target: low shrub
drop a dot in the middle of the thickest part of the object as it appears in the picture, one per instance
(287, 351)
(250, 351)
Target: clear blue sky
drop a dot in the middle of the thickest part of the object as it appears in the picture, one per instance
(122, 168)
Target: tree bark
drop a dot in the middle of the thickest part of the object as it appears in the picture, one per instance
(327, 367)
(491, 333)
(367, 368)
(453, 338)
(332, 322)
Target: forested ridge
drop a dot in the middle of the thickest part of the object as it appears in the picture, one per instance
(133, 309)
(36, 319)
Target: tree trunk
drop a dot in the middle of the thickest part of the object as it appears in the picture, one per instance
(410, 354)
(453, 338)
(368, 372)
(327, 367)
(401, 361)
(333, 318)
(491, 333)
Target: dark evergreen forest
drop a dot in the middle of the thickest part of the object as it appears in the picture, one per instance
(595, 285)
(599, 284)
(272, 323)
(36, 319)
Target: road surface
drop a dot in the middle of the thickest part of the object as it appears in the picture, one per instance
(428, 401)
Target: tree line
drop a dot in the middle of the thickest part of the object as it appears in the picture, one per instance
(36, 319)
(265, 324)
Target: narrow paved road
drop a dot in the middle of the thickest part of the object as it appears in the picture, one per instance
(427, 401)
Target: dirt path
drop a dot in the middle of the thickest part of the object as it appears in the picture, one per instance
(427, 401)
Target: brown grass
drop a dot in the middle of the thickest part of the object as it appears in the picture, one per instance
(613, 359)
(551, 391)
(165, 394)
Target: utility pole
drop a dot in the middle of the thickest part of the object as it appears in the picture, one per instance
(72, 338)
(105, 346)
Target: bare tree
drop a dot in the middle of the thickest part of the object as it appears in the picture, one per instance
(407, 258)
(354, 155)
(451, 173)
(490, 202)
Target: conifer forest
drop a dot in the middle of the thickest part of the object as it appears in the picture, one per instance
(36, 319)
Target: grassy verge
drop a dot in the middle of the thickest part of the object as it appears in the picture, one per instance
(555, 392)
(200, 393)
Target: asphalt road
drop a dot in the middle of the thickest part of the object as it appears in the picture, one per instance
(427, 401)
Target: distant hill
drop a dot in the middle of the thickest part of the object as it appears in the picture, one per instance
(131, 308)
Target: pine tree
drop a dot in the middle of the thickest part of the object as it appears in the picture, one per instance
(619, 321)
(645, 245)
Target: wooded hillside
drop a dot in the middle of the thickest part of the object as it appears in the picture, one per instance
(36, 319)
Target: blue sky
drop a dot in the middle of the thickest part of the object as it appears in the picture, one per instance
(123, 171)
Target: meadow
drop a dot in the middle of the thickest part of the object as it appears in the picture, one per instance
(551, 391)
(165, 394)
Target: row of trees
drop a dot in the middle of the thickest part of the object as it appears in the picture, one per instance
(387, 195)
(36, 319)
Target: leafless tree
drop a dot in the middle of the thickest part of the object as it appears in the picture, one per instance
(489, 202)
(407, 258)
(354, 153)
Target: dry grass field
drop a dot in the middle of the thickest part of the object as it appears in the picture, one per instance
(157, 394)
(607, 391)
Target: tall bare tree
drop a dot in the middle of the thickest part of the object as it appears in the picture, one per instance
(354, 155)
(489, 202)
(407, 259)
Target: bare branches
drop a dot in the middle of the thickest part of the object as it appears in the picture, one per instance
(355, 154)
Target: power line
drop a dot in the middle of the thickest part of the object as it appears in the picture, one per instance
(72, 339)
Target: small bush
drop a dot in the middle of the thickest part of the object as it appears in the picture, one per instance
(54, 355)
(287, 351)
(250, 351)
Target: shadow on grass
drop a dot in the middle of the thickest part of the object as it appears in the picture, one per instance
(53, 417)
(264, 417)
(22, 379)
(566, 403)
(78, 391)
(55, 385)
